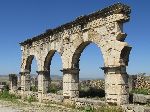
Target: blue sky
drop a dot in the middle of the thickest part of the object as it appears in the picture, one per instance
(22, 19)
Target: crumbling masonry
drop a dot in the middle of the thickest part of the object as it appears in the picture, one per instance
(105, 29)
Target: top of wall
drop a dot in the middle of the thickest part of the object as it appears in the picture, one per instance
(113, 9)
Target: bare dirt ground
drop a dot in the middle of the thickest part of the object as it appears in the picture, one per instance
(8, 109)
(8, 106)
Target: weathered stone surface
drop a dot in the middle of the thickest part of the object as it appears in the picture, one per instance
(13, 82)
(105, 29)
(83, 102)
(25, 81)
(53, 98)
(43, 83)
(140, 98)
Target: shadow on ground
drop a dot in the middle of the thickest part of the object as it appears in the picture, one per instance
(92, 92)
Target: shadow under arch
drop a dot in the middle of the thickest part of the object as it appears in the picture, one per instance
(91, 91)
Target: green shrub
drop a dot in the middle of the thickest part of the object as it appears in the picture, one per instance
(91, 92)
(103, 109)
(6, 87)
(5, 95)
(108, 109)
(31, 99)
(140, 91)
(53, 88)
(88, 109)
(33, 88)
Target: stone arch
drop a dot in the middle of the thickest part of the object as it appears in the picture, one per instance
(71, 75)
(105, 29)
(76, 65)
(29, 62)
(77, 53)
(115, 55)
(44, 75)
(48, 59)
(25, 74)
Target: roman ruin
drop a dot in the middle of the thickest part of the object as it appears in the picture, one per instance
(105, 29)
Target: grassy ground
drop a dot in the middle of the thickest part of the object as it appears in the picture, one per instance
(30, 104)
(141, 91)
(41, 107)
(4, 79)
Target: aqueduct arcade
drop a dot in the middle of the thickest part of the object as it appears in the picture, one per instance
(105, 29)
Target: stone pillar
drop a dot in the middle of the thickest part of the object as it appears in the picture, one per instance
(70, 83)
(116, 85)
(25, 81)
(43, 83)
(13, 82)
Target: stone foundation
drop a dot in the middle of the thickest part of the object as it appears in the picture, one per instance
(50, 97)
(83, 102)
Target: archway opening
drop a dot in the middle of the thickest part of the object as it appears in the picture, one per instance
(53, 64)
(32, 68)
(88, 58)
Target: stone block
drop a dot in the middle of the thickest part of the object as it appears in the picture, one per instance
(140, 98)
(74, 86)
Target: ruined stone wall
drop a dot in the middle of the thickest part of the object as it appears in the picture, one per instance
(13, 82)
(143, 82)
(98, 84)
(139, 81)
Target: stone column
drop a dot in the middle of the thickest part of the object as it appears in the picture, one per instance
(13, 82)
(43, 83)
(25, 81)
(116, 85)
(70, 83)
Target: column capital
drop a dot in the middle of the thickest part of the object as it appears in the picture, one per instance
(114, 69)
(70, 70)
(43, 72)
(24, 72)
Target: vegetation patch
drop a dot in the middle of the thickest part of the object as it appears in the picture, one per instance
(33, 88)
(141, 91)
(54, 88)
(103, 109)
(91, 92)
(31, 99)
(5, 95)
